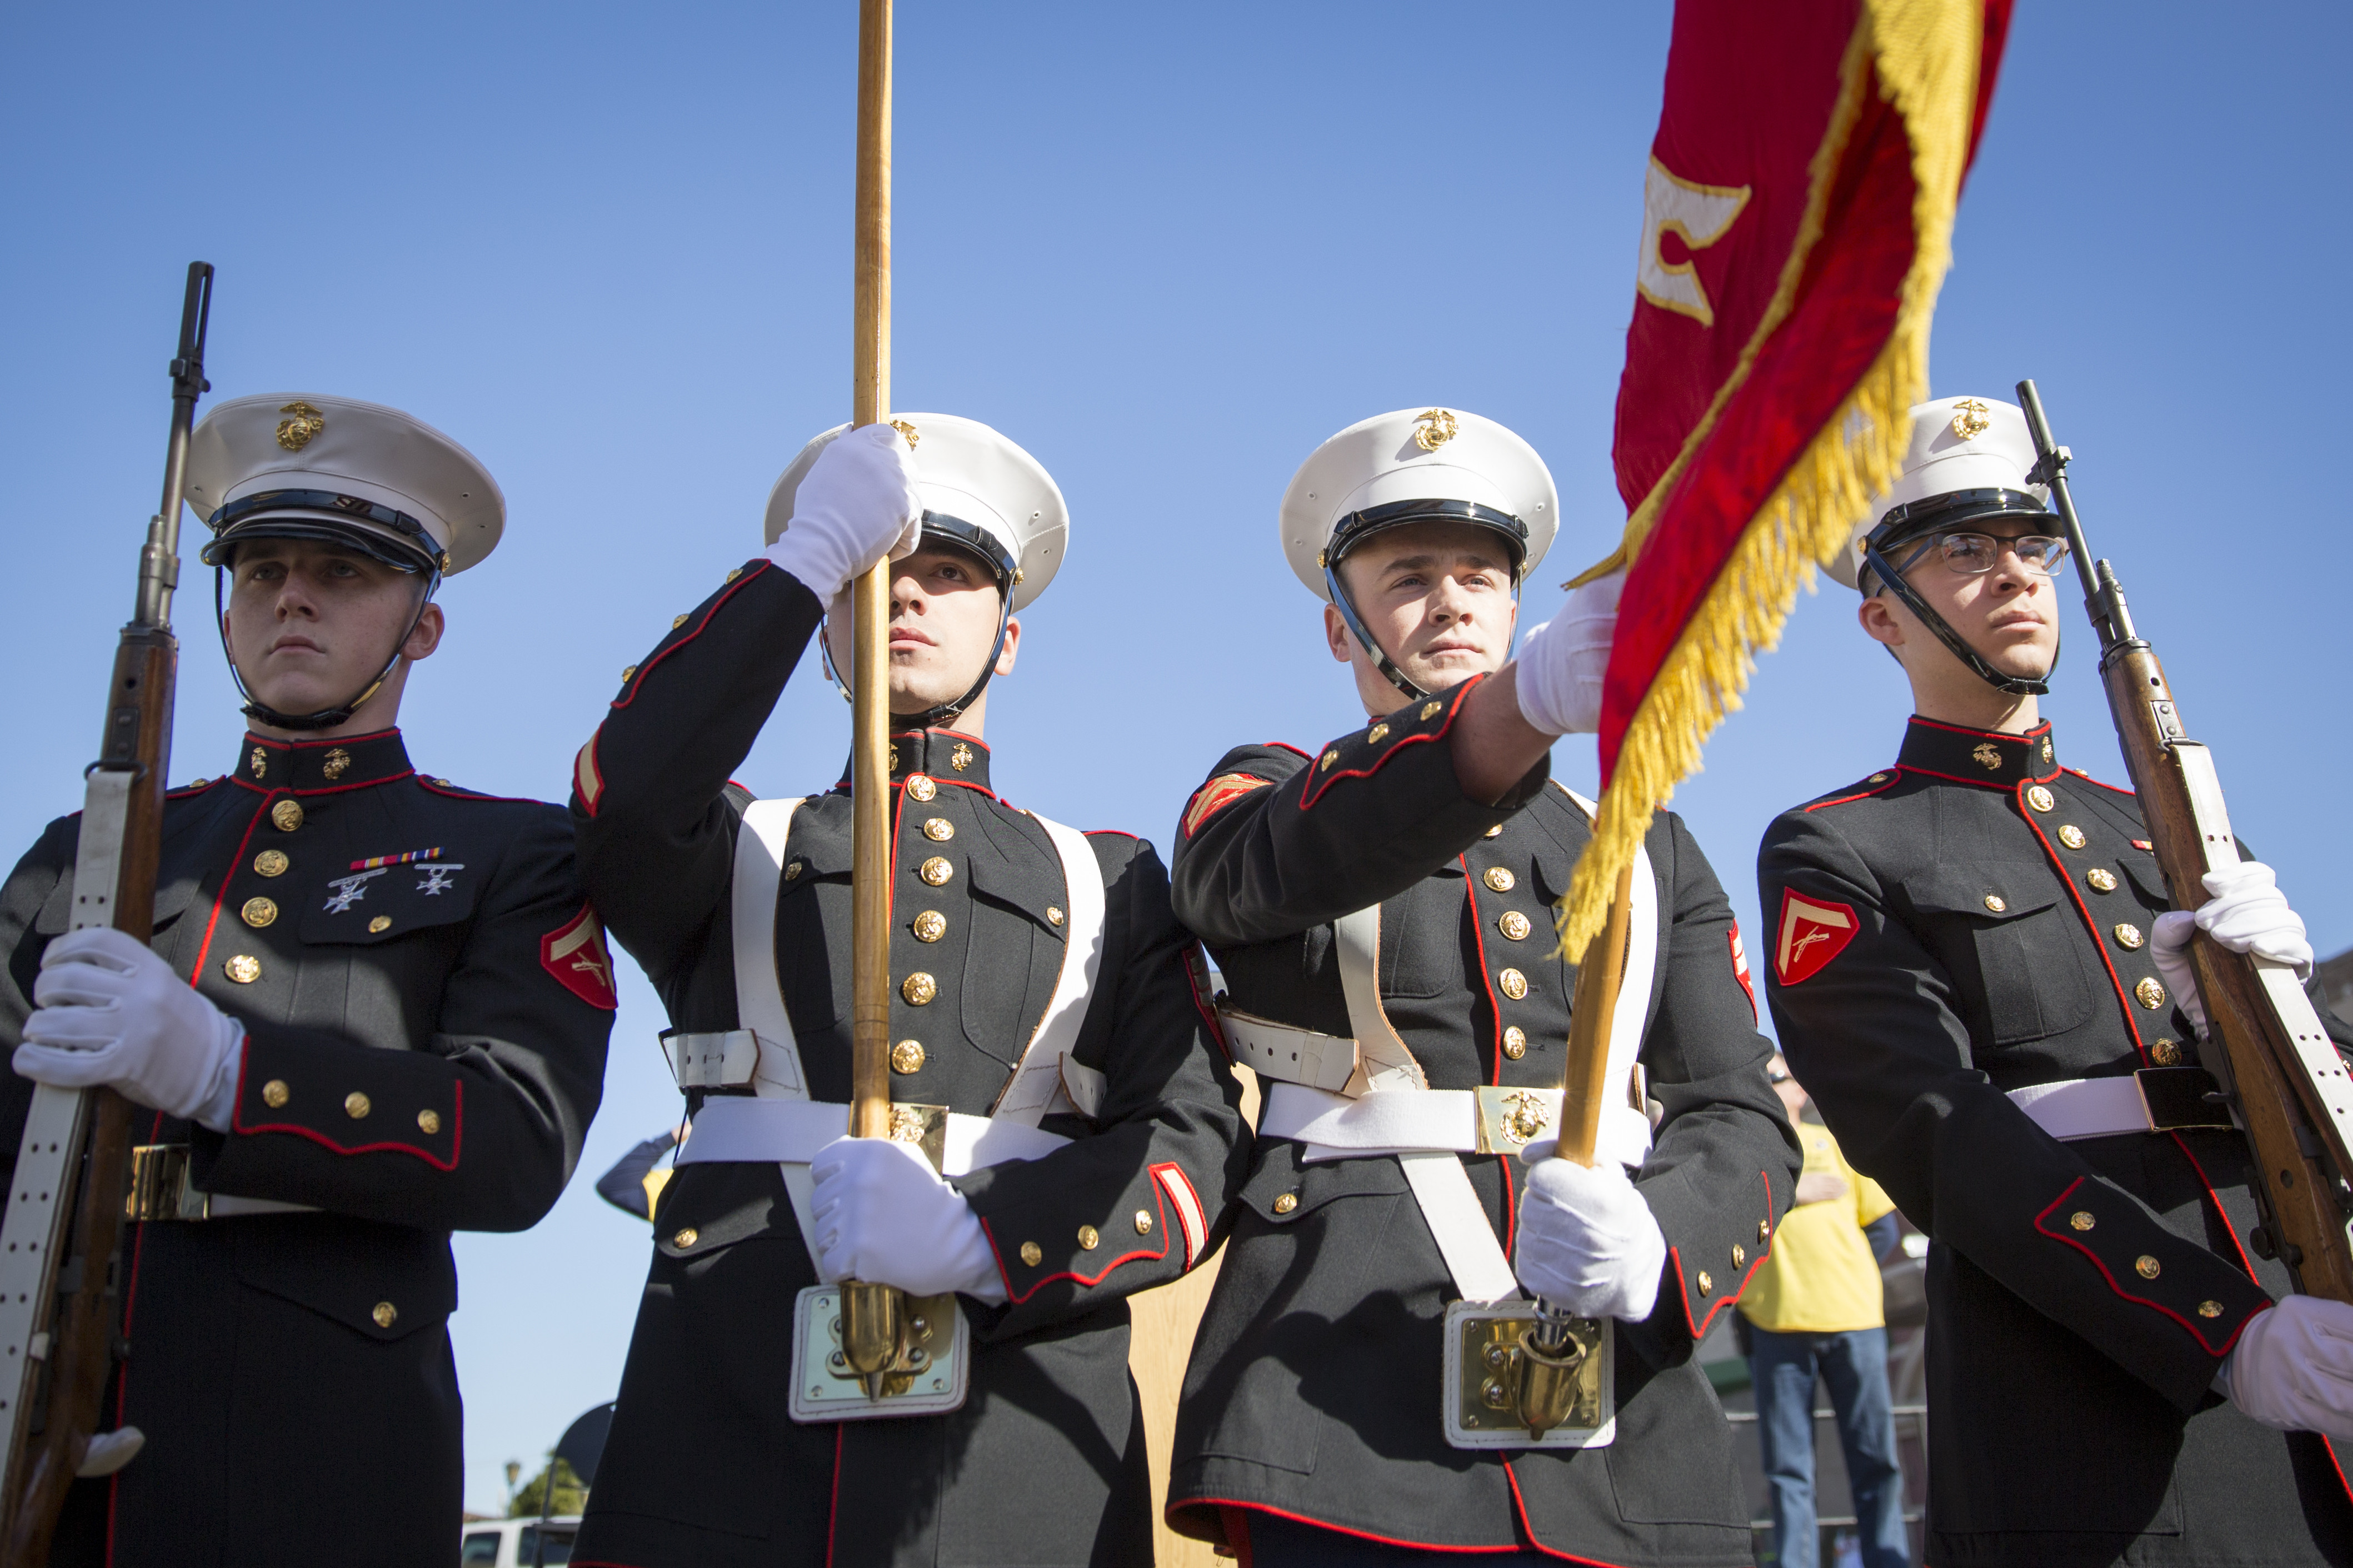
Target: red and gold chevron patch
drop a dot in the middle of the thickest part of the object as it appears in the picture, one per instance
(1223, 790)
(576, 954)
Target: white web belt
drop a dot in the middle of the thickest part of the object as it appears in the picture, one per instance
(779, 1123)
(1356, 1099)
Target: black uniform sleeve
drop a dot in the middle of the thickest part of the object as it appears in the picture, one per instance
(1143, 1198)
(478, 1129)
(1724, 1162)
(656, 832)
(1876, 1038)
(1371, 814)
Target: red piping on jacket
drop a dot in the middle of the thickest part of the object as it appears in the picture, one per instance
(123, 1373)
(2215, 1198)
(1159, 1202)
(1894, 776)
(196, 974)
(2210, 1348)
(457, 1131)
(408, 772)
(2132, 1026)
(1219, 1503)
(1520, 1504)
(1318, 783)
(1675, 1256)
(751, 570)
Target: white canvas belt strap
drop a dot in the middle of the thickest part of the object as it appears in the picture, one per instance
(1367, 1096)
(1394, 1121)
(732, 1128)
(1047, 1069)
(2153, 1099)
(780, 1122)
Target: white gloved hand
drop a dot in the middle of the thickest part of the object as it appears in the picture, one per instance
(2293, 1367)
(884, 1216)
(1587, 1241)
(856, 504)
(2246, 912)
(1562, 661)
(112, 1014)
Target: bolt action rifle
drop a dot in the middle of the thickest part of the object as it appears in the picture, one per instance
(2279, 1072)
(59, 1302)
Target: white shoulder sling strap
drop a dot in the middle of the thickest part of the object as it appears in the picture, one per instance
(781, 1123)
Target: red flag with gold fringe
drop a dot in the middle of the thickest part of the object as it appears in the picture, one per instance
(1798, 216)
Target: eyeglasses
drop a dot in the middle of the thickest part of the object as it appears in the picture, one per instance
(1975, 554)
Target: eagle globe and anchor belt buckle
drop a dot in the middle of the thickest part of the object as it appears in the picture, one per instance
(1487, 1364)
(931, 1373)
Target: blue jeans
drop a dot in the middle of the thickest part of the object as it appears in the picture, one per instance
(1854, 1366)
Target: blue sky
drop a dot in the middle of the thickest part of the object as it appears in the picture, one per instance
(1168, 249)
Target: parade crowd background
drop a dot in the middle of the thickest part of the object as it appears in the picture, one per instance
(1168, 250)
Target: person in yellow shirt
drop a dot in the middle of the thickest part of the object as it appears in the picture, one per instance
(1814, 1311)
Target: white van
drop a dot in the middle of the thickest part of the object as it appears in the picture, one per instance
(512, 1542)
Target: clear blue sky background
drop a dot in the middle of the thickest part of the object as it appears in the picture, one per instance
(1168, 249)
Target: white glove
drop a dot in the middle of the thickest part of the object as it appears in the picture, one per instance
(1587, 1241)
(884, 1216)
(113, 1014)
(856, 504)
(2293, 1367)
(2246, 914)
(1562, 661)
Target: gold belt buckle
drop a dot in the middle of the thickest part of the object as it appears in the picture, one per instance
(1512, 1119)
(159, 1185)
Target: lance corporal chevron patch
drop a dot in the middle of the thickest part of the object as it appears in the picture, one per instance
(1220, 791)
(1812, 933)
(575, 953)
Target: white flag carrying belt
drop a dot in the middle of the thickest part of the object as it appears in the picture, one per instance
(780, 1122)
(1356, 1099)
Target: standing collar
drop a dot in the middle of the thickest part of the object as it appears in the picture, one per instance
(347, 764)
(1978, 756)
(946, 754)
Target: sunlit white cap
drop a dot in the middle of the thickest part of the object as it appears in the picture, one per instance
(1364, 479)
(967, 475)
(1957, 444)
(306, 465)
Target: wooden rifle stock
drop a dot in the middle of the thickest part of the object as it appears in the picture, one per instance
(2287, 1085)
(59, 1291)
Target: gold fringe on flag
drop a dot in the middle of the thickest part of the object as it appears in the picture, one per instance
(1924, 56)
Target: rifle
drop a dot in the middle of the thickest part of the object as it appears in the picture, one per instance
(2279, 1072)
(60, 1297)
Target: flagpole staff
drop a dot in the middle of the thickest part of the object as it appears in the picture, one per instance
(872, 1316)
(1550, 1356)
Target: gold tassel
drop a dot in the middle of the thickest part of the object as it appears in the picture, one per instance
(1923, 54)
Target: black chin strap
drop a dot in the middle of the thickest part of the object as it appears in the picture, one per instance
(940, 713)
(2015, 685)
(261, 713)
(1338, 592)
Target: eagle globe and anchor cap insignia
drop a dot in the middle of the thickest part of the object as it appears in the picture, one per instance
(1812, 933)
(1434, 428)
(295, 432)
(1971, 418)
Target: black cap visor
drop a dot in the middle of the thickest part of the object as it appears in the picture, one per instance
(1953, 510)
(379, 532)
(1353, 530)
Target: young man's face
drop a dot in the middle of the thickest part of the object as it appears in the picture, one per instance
(944, 608)
(309, 624)
(2008, 613)
(1437, 596)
